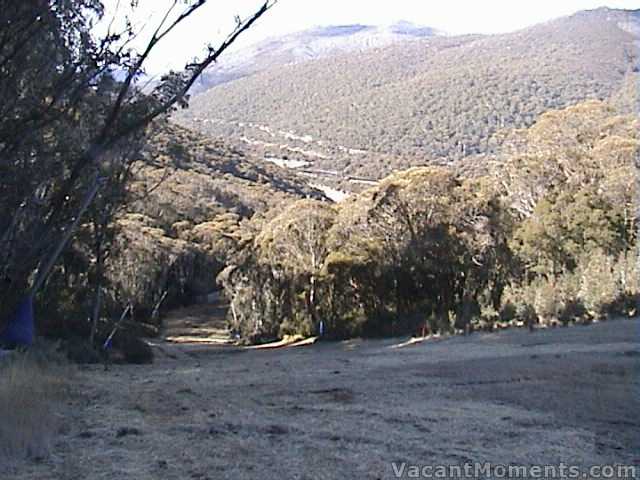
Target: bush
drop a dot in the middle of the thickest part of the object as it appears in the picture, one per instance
(627, 275)
(133, 349)
(547, 300)
(526, 314)
(573, 310)
(599, 287)
(351, 324)
(508, 312)
(301, 324)
(79, 351)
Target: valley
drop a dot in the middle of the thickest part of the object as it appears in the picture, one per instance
(421, 101)
(335, 253)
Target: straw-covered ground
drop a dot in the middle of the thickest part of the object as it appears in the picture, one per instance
(351, 409)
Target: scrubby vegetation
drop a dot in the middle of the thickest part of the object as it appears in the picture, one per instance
(110, 214)
(74, 122)
(547, 235)
(181, 221)
(106, 204)
(190, 198)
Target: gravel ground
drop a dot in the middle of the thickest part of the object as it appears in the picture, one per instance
(348, 410)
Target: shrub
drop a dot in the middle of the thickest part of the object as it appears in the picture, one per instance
(526, 314)
(133, 349)
(300, 324)
(508, 312)
(599, 287)
(79, 351)
(547, 300)
(489, 314)
(626, 273)
(351, 324)
(573, 310)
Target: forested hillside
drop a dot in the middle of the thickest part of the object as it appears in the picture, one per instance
(190, 178)
(420, 101)
(547, 235)
(306, 45)
(86, 217)
(343, 183)
(188, 204)
(512, 211)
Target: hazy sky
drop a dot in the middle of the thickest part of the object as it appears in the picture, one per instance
(215, 19)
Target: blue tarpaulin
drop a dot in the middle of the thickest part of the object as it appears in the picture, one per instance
(20, 330)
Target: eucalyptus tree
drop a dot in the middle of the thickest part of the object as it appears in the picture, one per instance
(72, 103)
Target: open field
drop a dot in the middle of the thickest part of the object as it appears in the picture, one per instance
(347, 410)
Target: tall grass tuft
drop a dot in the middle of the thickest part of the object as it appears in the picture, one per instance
(31, 389)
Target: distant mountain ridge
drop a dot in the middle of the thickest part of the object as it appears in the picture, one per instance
(314, 43)
(434, 99)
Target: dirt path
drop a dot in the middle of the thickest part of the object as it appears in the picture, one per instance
(349, 409)
(205, 324)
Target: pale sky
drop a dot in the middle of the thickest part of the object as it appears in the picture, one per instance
(216, 19)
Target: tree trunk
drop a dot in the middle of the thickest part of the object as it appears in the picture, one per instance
(47, 265)
(95, 318)
(99, 272)
(312, 301)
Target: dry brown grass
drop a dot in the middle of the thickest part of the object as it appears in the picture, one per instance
(31, 387)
